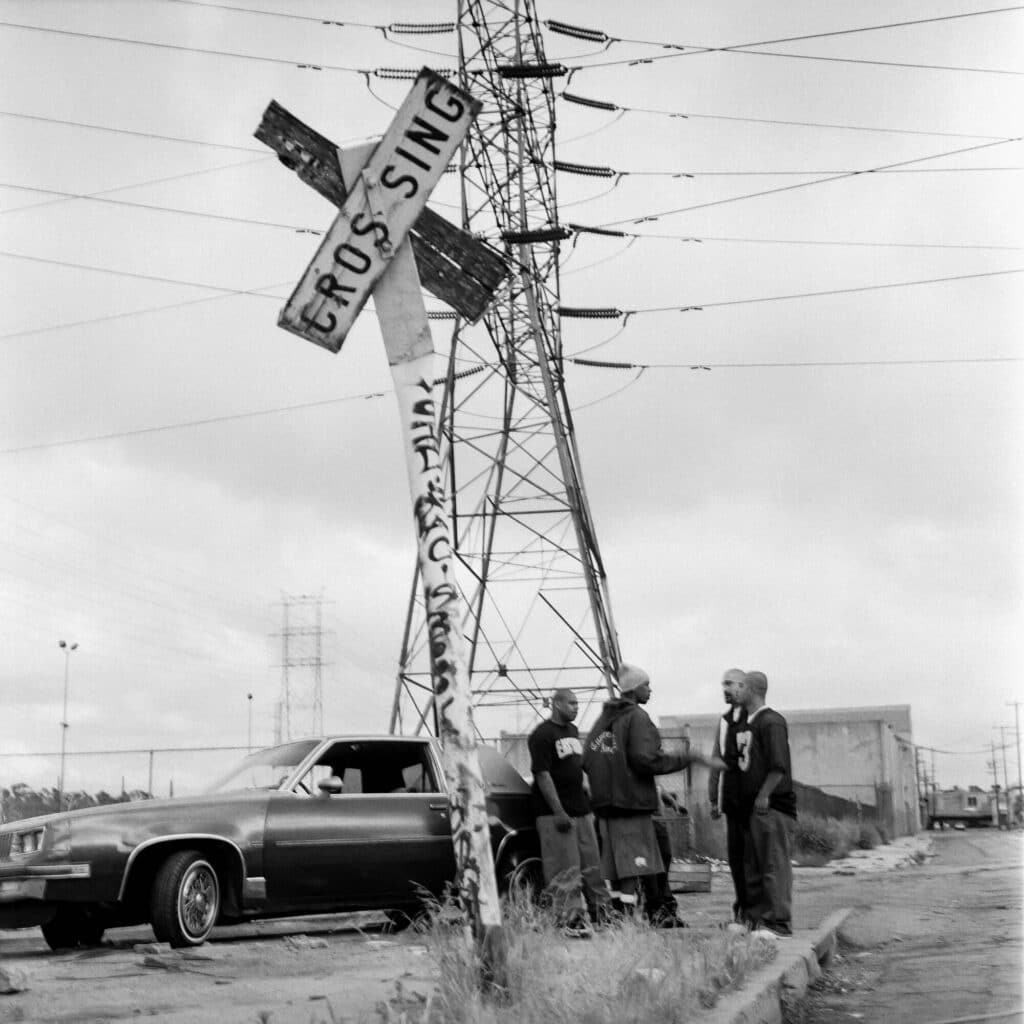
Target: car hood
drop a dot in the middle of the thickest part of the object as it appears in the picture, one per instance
(179, 807)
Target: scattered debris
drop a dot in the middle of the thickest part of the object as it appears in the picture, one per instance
(195, 954)
(151, 947)
(302, 942)
(12, 979)
(165, 963)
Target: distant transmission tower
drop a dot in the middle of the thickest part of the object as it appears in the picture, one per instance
(300, 707)
(539, 614)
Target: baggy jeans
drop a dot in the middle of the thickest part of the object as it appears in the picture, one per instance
(768, 841)
(572, 867)
(735, 837)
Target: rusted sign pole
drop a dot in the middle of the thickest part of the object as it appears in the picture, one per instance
(366, 250)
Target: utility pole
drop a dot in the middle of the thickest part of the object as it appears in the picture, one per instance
(922, 793)
(1020, 785)
(934, 784)
(67, 649)
(995, 786)
(1006, 775)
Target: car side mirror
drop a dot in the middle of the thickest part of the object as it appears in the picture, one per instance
(331, 786)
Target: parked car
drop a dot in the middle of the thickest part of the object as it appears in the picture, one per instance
(311, 826)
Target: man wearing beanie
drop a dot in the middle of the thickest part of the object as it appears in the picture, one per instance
(724, 787)
(621, 756)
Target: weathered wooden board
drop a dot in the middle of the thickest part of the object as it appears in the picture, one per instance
(459, 269)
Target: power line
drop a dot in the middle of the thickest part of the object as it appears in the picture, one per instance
(208, 421)
(123, 188)
(185, 49)
(833, 291)
(806, 184)
(700, 239)
(590, 363)
(126, 273)
(880, 63)
(152, 207)
(634, 62)
(780, 174)
(686, 115)
(149, 309)
(796, 39)
(129, 131)
(878, 28)
(281, 14)
(962, 753)
(689, 50)
(792, 364)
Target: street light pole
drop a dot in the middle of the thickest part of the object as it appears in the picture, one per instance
(67, 649)
(248, 697)
(1020, 784)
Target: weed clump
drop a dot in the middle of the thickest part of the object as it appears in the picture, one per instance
(817, 839)
(628, 973)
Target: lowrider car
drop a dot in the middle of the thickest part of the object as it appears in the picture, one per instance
(311, 826)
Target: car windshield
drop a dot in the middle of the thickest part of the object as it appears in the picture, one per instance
(266, 769)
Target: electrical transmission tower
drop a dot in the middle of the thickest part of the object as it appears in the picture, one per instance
(530, 572)
(300, 707)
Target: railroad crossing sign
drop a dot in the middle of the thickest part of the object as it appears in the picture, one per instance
(381, 189)
(378, 208)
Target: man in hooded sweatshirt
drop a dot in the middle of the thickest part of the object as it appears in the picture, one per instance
(621, 756)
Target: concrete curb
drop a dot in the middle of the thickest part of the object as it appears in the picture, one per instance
(801, 959)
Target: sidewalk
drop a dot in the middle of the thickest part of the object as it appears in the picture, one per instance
(818, 919)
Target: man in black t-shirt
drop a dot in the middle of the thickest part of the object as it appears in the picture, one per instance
(572, 862)
(723, 788)
(768, 803)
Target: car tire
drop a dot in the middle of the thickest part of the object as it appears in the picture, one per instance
(73, 927)
(523, 880)
(185, 901)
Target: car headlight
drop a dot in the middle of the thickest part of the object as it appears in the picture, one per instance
(52, 838)
(27, 842)
(57, 838)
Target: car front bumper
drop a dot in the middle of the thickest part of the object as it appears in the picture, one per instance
(28, 892)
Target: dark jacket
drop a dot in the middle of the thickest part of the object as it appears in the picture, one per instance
(621, 757)
(724, 787)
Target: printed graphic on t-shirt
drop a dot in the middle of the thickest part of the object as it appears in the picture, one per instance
(604, 743)
(743, 749)
(568, 746)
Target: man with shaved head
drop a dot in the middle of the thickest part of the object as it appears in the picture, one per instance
(622, 756)
(724, 787)
(768, 801)
(568, 842)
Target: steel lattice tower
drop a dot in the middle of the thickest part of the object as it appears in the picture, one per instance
(300, 707)
(538, 611)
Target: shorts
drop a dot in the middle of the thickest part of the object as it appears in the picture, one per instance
(629, 847)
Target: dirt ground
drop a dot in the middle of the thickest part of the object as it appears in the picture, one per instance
(331, 969)
(308, 971)
(935, 945)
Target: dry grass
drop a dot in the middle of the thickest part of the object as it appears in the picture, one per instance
(627, 974)
(818, 840)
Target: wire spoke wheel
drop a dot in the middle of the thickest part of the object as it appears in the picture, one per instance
(198, 898)
(185, 902)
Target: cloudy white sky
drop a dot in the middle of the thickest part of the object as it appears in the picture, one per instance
(837, 501)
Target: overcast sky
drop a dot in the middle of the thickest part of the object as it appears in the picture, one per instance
(836, 501)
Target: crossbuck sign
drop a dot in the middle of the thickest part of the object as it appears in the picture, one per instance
(382, 206)
(381, 190)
